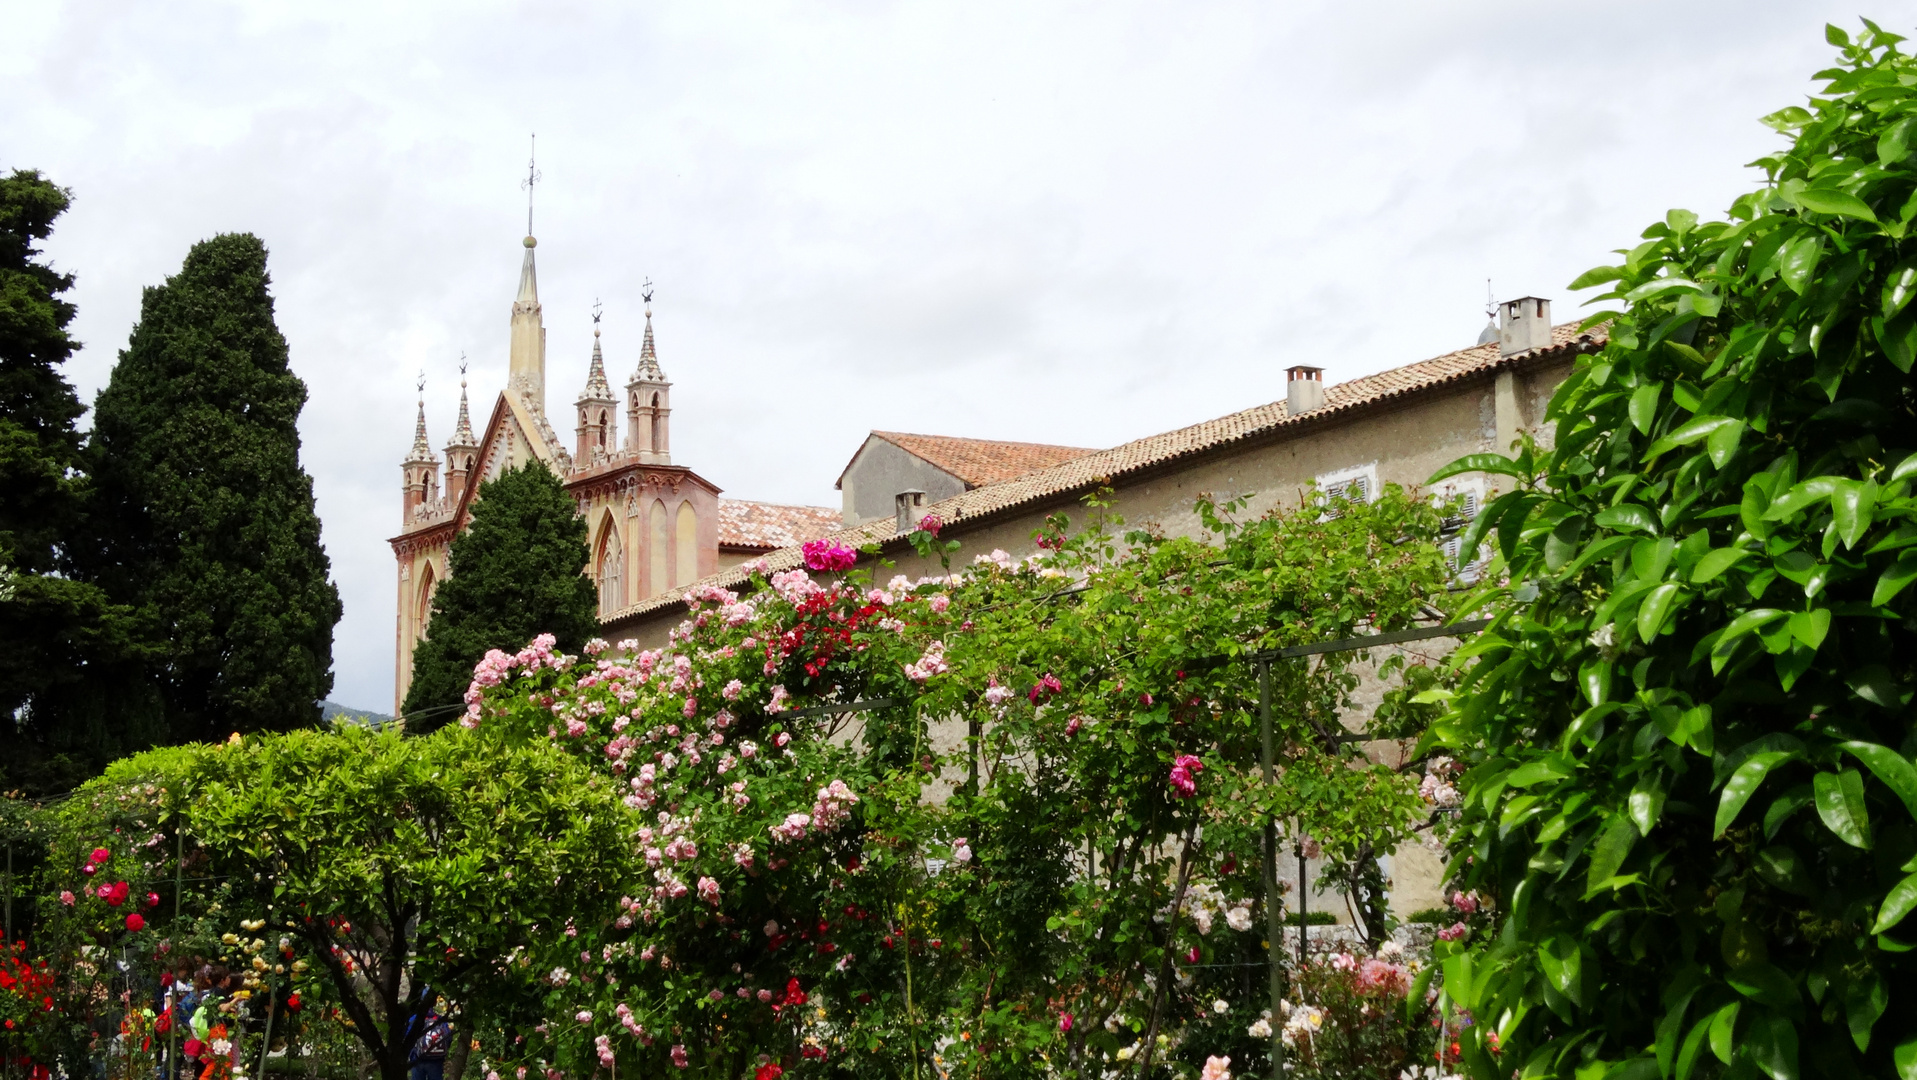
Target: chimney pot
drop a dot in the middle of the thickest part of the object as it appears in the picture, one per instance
(908, 504)
(1304, 388)
(1523, 324)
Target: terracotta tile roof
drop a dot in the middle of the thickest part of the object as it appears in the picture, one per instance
(981, 461)
(765, 526)
(1155, 453)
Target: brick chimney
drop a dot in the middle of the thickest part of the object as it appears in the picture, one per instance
(1523, 324)
(1304, 389)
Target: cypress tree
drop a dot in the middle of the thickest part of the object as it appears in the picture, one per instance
(516, 572)
(205, 519)
(64, 650)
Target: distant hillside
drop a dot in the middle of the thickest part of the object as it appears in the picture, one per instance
(332, 709)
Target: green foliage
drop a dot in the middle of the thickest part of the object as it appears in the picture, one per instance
(516, 572)
(58, 637)
(203, 518)
(351, 866)
(1689, 732)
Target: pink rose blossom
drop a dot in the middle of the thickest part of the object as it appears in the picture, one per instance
(1184, 774)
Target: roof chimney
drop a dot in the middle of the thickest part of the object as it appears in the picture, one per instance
(1304, 389)
(907, 505)
(1523, 324)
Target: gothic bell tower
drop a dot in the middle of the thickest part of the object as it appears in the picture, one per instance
(649, 401)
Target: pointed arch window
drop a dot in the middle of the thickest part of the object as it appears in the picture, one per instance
(611, 561)
(423, 602)
(658, 426)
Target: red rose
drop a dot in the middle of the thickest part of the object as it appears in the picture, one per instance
(116, 893)
(135, 923)
(152, 899)
(100, 855)
(293, 1001)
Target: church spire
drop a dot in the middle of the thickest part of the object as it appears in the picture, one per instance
(649, 400)
(420, 469)
(598, 429)
(462, 450)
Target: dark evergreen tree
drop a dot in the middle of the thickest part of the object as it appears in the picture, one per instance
(64, 650)
(517, 572)
(204, 519)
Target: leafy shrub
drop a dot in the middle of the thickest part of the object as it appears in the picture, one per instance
(1689, 729)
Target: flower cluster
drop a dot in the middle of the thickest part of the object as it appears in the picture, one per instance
(829, 555)
(1184, 776)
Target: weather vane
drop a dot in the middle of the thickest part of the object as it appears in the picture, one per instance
(421, 385)
(645, 292)
(462, 367)
(532, 178)
(596, 306)
(1490, 305)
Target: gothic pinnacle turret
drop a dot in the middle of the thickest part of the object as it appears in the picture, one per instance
(462, 450)
(649, 401)
(598, 429)
(420, 469)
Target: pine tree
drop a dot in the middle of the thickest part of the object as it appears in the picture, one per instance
(517, 572)
(204, 517)
(64, 650)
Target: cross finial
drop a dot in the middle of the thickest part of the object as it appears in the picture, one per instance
(645, 294)
(1490, 305)
(596, 308)
(421, 385)
(462, 367)
(532, 178)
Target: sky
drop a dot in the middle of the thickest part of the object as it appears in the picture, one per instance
(1076, 223)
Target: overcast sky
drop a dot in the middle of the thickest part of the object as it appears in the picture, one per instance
(1060, 222)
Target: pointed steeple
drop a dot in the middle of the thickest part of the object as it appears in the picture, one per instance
(649, 401)
(598, 430)
(649, 369)
(597, 388)
(463, 431)
(422, 452)
(526, 370)
(462, 450)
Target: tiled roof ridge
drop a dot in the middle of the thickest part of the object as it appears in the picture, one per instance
(982, 461)
(752, 523)
(1157, 451)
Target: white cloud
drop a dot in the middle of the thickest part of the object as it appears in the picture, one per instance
(1071, 222)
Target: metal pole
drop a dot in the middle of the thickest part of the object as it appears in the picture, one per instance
(1274, 910)
(1304, 902)
(173, 1019)
(266, 1041)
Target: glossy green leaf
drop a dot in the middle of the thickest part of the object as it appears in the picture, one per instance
(1597, 275)
(1833, 201)
(1608, 854)
(1715, 562)
(1802, 496)
(1799, 257)
(1651, 613)
(1766, 984)
(1895, 579)
(1738, 627)
(1840, 803)
(1810, 626)
(1892, 768)
(1905, 1058)
(1894, 145)
(1865, 999)
(1853, 507)
(1723, 442)
(1743, 784)
(1563, 964)
(1484, 463)
(1723, 1026)
(1694, 1043)
(1897, 904)
(1693, 430)
(1772, 1041)
(1647, 802)
(1627, 516)
(1643, 408)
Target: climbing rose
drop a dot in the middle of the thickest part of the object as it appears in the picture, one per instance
(1183, 775)
(100, 855)
(931, 523)
(1216, 1068)
(1064, 1021)
(828, 555)
(135, 923)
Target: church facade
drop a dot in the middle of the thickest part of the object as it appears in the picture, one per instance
(653, 526)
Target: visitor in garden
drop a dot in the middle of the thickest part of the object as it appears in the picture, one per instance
(427, 1059)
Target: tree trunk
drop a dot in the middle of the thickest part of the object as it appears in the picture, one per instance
(462, 1046)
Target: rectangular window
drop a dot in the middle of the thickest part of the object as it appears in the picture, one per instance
(1356, 484)
(1471, 494)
